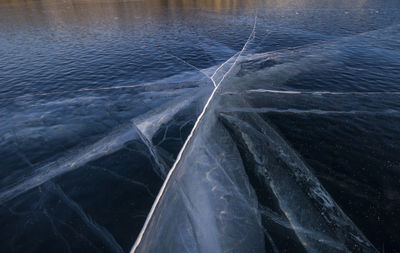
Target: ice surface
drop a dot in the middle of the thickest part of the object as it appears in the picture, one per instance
(236, 182)
(144, 126)
(317, 220)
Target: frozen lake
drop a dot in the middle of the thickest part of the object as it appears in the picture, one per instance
(199, 126)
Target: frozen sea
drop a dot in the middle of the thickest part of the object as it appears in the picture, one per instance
(199, 126)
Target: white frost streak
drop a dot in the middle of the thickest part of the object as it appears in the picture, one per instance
(147, 124)
(223, 64)
(160, 194)
(310, 111)
(78, 91)
(295, 92)
(196, 68)
(99, 230)
(107, 145)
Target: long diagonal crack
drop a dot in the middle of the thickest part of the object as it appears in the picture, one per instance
(181, 152)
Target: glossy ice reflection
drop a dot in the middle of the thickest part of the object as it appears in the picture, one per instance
(279, 120)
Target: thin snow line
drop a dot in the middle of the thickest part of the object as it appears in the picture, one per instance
(297, 92)
(77, 91)
(310, 111)
(163, 187)
(233, 56)
(191, 65)
(146, 127)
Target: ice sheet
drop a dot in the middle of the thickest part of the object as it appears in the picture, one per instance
(235, 175)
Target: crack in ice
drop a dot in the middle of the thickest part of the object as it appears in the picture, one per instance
(160, 194)
(295, 92)
(191, 65)
(143, 127)
(310, 111)
(78, 91)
